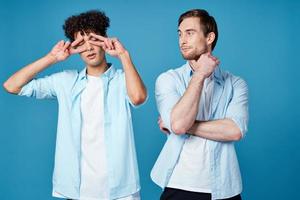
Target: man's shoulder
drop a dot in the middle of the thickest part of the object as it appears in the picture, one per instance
(119, 72)
(235, 80)
(65, 75)
(172, 73)
(118, 75)
(65, 78)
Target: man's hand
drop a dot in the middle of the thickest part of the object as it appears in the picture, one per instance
(111, 46)
(60, 51)
(77, 45)
(135, 87)
(205, 65)
(162, 126)
(188, 104)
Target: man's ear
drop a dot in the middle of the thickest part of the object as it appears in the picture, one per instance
(210, 38)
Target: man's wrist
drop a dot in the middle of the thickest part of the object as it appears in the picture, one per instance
(199, 77)
(51, 58)
(124, 55)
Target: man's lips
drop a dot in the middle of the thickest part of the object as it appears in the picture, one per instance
(91, 55)
(185, 48)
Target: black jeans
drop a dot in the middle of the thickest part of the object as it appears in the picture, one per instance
(177, 194)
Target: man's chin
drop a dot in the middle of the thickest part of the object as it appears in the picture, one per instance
(93, 63)
(190, 56)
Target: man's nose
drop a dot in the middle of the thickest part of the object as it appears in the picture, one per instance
(182, 40)
(89, 46)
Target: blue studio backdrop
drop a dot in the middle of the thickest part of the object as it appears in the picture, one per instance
(258, 40)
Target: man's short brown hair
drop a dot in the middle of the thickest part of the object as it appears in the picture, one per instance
(207, 22)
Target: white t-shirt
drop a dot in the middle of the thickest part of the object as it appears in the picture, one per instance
(94, 172)
(192, 171)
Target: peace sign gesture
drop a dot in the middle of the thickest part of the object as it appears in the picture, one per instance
(60, 51)
(111, 46)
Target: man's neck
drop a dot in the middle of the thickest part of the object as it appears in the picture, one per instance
(193, 62)
(97, 70)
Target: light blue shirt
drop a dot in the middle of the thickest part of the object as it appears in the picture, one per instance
(67, 87)
(230, 100)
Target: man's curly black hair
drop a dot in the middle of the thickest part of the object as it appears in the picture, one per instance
(91, 21)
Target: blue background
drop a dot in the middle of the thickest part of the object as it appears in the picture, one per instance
(258, 41)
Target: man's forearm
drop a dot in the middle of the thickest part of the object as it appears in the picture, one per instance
(184, 113)
(219, 130)
(136, 89)
(15, 83)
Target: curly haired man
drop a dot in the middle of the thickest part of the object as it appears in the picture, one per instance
(95, 155)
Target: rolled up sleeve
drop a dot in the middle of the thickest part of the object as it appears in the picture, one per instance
(166, 96)
(41, 88)
(238, 107)
(127, 96)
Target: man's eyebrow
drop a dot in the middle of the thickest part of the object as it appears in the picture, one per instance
(187, 30)
(191, 29)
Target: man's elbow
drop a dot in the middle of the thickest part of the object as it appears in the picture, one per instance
(177, 128)
(139, 99)
(236, 133)
(10, 89)
(237, 136)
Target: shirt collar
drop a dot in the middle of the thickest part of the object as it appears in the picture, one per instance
(109, 73)
(217, 74)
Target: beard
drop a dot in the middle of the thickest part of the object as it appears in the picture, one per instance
(190, 56)
(194, 54)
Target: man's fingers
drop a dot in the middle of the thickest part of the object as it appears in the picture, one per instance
(115, 40)
(110, 42)
(66, 45)
(99, 37)
(97, 43)
(77, 41)
(77, 50)
(107, 44)
(207, 54)
(59, 44)
(211, 56)
(74, 51)
(215, 59)
(165, 130)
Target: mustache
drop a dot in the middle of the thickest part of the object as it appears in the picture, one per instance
(185, 47)
(194, 56)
